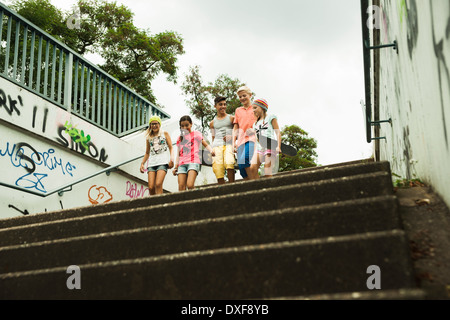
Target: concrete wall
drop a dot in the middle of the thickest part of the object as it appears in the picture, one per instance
(45, 134)
(414, 91)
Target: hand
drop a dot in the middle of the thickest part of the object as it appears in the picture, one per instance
(213, 153)
(170, 164)
(174, 171)
(142, 168)
(278, 150)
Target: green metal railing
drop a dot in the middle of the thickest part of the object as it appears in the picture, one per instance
(34, 60)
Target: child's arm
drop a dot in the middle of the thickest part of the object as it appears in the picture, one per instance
(211, 128)
(276, 128)
(208, 147)
(228, 138)
(146, 156)
(234, 136)
(169, 144)
(177, 161)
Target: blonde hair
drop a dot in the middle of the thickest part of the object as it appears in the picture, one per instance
(246, 89)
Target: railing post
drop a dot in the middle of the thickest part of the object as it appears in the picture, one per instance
(68, 82)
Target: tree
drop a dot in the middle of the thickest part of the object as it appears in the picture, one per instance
(132, 55)
(306, 156)
(201, 96)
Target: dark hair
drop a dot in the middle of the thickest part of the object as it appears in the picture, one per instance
(184, 118)
(219, 99)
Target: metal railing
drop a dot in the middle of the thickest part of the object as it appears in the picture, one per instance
(367, 105)
(68, 187)
(34, 60)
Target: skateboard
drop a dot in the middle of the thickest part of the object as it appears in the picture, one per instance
(272, 144)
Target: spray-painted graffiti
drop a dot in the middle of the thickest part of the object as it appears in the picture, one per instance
(9, 104)
(79, 142)
(26, 156)
(44, 123)
(77, 136)
(99, 195)
(133, 191)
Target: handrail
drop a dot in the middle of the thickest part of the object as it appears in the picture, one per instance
(62, 189)
(36, 61)
(367, 107)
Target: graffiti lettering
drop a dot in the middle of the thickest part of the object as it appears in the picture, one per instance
(134, 192)
(77, 136)
(77, 146)
(17, 157)
(9, 104)
(99, 195)
(32, 180)
(44, 124)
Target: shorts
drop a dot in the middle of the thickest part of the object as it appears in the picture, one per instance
(223, 160)
(244, 156)
(157, 168)
(185, 168)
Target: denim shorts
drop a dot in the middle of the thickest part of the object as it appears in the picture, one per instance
(157, 168)
(244, 157)
(185, 168)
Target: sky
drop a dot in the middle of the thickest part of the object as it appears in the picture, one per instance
(303, 56)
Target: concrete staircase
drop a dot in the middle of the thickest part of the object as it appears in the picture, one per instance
(307, 234)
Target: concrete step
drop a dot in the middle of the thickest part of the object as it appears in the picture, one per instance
(293, 177)
(394, 294)
(312, 193)
(292, 224)
(294, 268)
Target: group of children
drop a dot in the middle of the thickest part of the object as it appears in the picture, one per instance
(240, 134)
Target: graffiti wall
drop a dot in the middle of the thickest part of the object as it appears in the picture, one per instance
(414, 91)
(43, 147)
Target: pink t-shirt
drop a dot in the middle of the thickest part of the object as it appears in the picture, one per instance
(245, 119)
(189, 148)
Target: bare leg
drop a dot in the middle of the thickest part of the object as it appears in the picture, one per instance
(230, 174)
(151, 182)
(160, 176)
(192, 175)
(182, 178)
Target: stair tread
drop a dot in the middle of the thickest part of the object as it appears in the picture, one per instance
(202, 191)
(293, 259)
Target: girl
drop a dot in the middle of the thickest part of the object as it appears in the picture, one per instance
(266, 126)
(159, 150)
(188, 160)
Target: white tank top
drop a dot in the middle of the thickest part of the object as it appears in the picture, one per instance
(159, 150)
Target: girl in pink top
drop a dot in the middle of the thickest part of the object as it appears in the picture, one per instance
(188, 161)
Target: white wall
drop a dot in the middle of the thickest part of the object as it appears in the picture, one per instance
(415, 91)
(51, 158)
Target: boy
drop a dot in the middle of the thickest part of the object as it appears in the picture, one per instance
(242, 131)
(221, 130)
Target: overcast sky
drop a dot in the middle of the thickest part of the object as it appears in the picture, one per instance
(303, 56)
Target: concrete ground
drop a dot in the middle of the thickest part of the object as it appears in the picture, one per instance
(426, 220)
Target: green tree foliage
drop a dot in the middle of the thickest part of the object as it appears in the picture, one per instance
(306, 156)
(133, 56)
(200, 96)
